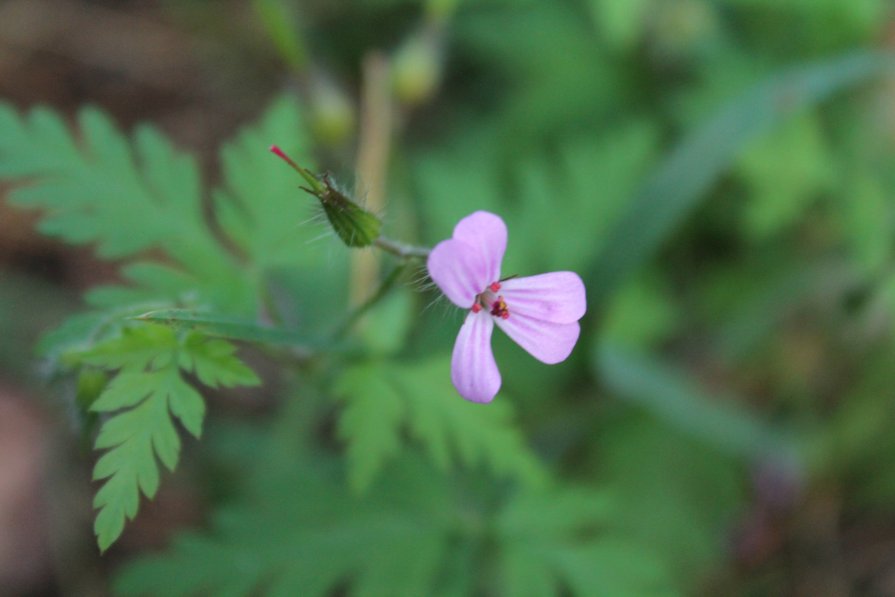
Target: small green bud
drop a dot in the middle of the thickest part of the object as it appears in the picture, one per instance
(332, 115)
(356, 226)
(417, 68)
(683, 27)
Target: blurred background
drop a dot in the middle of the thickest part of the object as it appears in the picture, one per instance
(720, 172)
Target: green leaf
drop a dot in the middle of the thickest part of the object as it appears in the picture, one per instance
(616, 566)
(76, 332)
(620, 23)
(270, 220)
(867, 220)
(580, 200)
(580, 196)
(682, 180)
(641, 314)
(390, 319)
(187, 405)
(127, 389)
(125, 196)
(784, 171)
(558, 538)
(302, 534)
(260, 205)
(549, 75)
(214, 362)
(414, 532)
(144, 396)
(223, 327)
(133, 438)
(370, 423)
(855, 443)
(138, 348)
(130, 196)
(153, 283)
(383, 399)
(659, 478)
(747, 303)
(821, 25)
(282, 27)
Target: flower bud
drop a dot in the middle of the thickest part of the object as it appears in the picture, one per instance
(356, 226)
(683, 28)
(417, 67)
(332, 115)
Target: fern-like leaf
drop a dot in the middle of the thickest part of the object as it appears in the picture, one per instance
(259, 205)
(144, 397)
(133, 438)
(382, 400)
(125, 197)
(414, 532)
(302, 534)
(563, 538)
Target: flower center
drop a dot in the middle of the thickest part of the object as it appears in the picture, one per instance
(489, 299)
(499, 308)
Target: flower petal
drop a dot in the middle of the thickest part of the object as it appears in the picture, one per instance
(549, 342)
(473, 369)
(459, 271)
(557, 297)
(488, 234)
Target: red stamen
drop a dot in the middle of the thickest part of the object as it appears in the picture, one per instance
(476, 307)
(495, 286)
(499, 308)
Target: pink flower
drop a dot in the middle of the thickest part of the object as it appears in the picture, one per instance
(540, 313)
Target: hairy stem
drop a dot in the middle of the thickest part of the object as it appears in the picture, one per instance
(361, 309)
(402, 250)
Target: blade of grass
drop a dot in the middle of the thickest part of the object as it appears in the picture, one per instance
(672, 396)
(282, 27)
(685, 176)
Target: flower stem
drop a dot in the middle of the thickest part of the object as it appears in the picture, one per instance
(361, 309)
(402, 250)
(374, 150)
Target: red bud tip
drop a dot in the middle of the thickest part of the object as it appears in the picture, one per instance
(280, 154)
(316, 187)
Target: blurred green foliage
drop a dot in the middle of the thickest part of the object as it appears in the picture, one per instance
(719, 172)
